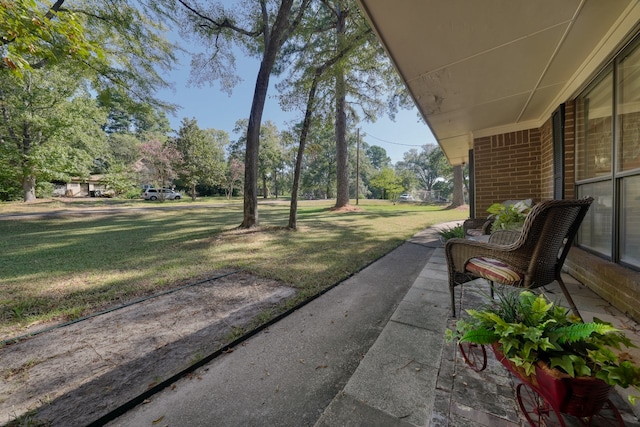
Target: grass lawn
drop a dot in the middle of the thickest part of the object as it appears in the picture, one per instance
(65, 267)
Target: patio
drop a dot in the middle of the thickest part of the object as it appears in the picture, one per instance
(449, 393)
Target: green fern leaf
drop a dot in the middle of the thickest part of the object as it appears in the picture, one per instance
(580, 331)
(480, 336)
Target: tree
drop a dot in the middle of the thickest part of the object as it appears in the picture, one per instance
(378, 157)
(128, 116)
(119, 178)
(388, 182)
(339, 69)
(32, 33)
(429, 165)
(317, 73)
(119, 41)
(319, 179)
(129, 124)
(233, 175)
(202, 154)
(458, 181)
(36, 40)
(161, 161)
(364, 77)
(51, 126)
(271, 156)
(262, 28)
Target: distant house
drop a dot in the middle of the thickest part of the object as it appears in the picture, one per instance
(80, 187)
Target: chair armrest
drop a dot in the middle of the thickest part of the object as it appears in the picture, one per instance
(476, 223)
(460, 251)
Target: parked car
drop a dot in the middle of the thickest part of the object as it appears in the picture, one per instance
(155, 194)
(406, 197)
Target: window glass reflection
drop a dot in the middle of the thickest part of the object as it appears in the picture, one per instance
(595, 232)
(594, 127)
(628, 112)
(630, 221)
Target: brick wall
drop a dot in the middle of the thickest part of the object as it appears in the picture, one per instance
(519, 165)
(612, 282)
(507, 167)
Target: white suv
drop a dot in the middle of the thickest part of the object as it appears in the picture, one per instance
(167, 194)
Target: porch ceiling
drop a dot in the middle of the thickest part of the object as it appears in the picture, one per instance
(478, 68)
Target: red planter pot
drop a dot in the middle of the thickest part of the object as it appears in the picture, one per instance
(581, 396)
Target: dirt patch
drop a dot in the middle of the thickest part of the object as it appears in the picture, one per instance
(75, 374)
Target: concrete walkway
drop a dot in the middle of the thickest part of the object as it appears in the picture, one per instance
(370, 352)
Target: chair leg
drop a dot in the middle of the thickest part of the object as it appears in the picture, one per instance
(565, 291)
(492, 289)
(452, 291)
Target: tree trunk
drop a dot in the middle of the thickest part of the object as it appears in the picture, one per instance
(251, 166)
(29, 188)
(230, 191)
(28, 174)
(342, 153)
(458, 194)
(293, 210)
(193, 192)
(275, 182)
(265, 189)
(273, 40)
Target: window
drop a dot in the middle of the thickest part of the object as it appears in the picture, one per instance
(595, 129)
(629, 112)
(608, 160)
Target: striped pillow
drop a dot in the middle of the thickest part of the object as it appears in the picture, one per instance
(494, 271)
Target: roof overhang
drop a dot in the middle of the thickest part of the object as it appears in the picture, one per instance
(480, 68)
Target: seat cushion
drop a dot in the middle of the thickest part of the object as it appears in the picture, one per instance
(494, 270)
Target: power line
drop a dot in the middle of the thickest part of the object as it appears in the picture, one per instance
(395, 143)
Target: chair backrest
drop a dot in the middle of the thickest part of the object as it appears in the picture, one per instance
(547, 235)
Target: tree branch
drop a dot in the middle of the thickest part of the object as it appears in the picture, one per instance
(219, 25)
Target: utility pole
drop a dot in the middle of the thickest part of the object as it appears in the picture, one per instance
(357, 166)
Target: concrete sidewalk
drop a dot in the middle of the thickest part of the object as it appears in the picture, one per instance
(370, 352)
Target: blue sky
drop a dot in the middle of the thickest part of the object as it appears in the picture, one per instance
(213, 108)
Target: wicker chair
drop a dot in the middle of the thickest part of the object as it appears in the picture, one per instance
(534, 259)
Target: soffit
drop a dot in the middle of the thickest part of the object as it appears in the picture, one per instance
(476, 67)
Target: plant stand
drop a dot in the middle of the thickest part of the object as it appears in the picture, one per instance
(545, 396)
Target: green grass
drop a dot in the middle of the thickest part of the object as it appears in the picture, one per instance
(62, 268)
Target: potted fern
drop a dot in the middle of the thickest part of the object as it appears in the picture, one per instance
(451, 232)
(533, 337)
(509, 216)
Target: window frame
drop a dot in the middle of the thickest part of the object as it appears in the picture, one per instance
(616, 176)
